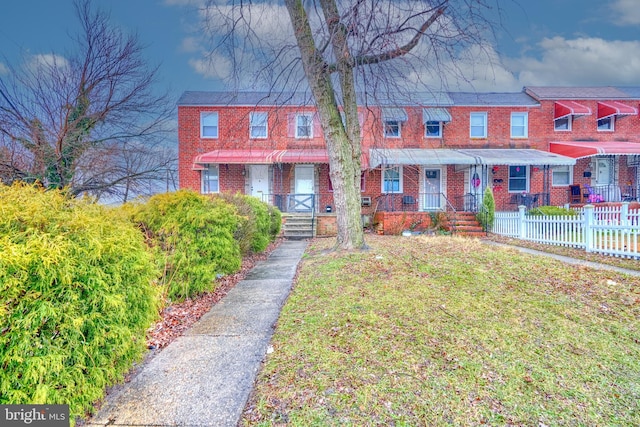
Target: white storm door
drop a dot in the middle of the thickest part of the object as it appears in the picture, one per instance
(603, 171)
(303, 198)
(260, 181)
(432, 189)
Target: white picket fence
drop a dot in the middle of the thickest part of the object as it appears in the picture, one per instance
(609, 230)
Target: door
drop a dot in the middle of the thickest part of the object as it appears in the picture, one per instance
(260, 181)
(603, 171)
(432, 189)
(474, 195)
(303, 199)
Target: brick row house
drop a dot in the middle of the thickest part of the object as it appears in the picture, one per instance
(434, 152)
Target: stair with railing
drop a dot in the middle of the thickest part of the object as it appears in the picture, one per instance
(465, 224)
(298, 226)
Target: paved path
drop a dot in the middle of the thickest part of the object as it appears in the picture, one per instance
(568, 260)
(204, 378)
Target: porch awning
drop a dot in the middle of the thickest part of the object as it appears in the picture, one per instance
(570, 108)
(614, 108)
(580, 149)
(505, 156)
(435, 115)
(399, 114)
(256, 157)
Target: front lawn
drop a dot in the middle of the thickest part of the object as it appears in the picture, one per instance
(449, 331)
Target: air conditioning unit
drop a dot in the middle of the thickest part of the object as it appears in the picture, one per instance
(365, 201)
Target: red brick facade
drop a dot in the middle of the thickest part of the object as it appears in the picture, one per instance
(539, 104)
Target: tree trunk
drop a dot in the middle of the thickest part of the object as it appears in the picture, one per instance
(344, 151)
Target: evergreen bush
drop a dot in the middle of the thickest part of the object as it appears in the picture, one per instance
(255, 230)
(76, 298)
(193, 237)
(487, 213)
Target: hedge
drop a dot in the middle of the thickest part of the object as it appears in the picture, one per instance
(77, 296)
(193, 236)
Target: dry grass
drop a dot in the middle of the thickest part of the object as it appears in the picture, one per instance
(448, 331)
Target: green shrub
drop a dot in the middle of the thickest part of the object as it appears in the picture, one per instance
(487, 213)
(275, 216)
(255, 230)
(76, 298)
(193, 239)
(551, 211)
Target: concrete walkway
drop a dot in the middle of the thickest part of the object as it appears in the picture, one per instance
(568, 260)
(204, 378)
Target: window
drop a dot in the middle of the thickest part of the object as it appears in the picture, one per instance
(392, 180)
(517, 179)
(433, 129)
(605, 124)
(208, 125)
(563, 123)
(561, 175)
(304, 126)
(258, 125)
(478, 125)
(519, 125)
(392, 129)
(211, 179)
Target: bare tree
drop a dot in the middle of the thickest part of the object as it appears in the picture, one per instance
(69, 121)
(380, 48)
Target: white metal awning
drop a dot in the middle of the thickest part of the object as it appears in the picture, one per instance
(399, 114)
(498, 156)
(435, 115)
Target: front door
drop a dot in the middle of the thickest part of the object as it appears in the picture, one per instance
(603, 171)
(432, 189)
(304, 185)
(260, 181)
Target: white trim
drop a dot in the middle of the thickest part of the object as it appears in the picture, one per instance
(258, 115)
(570, 178)
(440, 127)
(210, 114)
(525, 125)
(204, 185)
(526, 177)
(384, 128)
(569, 119)
(310, 124)
(612, 121)
(484, 116)
(382, 180)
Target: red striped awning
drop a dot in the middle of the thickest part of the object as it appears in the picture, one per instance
(570, 108)
(256, 157)
(614, 108)
(579, 149)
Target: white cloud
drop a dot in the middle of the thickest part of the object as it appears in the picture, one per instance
(3, 69)
(45, 61)
(627, 12)
(580, 61)
(190, 45)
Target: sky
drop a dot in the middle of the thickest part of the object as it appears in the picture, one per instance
(541, 42)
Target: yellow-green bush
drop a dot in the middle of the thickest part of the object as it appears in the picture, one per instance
(76, 298)
(256, 227)
(193, 236)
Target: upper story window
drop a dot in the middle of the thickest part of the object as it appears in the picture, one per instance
(304, 125)
(209, 124)
(392, 180)
(478, 125)
(519, 125)
(211, 179)
(392, 128)
(518, 179)
(563, 123)
(433, 129)
(605, 124)
(258, 125)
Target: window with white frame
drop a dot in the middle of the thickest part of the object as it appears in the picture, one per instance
(392, 179)
(518, 181)
(304, 126)
(392, 128)
(211, 179)
(258, 125)
(605, 124)
(478, 125)
(561, 175)
(209, 124)
(433, 129)
(519, 125)
(563, 123)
